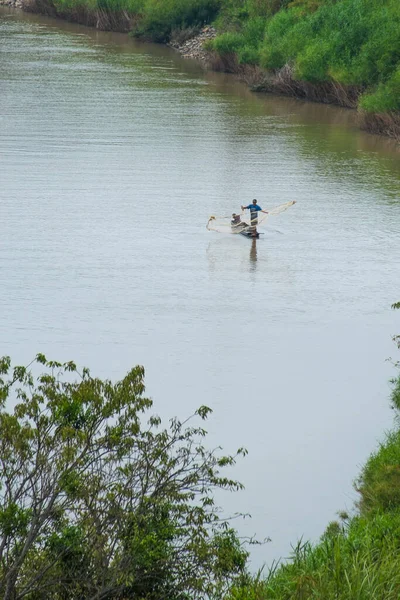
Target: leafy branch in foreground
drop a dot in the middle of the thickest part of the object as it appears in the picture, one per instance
(96, 505)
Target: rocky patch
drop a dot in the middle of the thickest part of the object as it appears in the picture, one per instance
(12, 3)
(194, 47)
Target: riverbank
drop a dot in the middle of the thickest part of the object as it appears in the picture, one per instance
(283, 82)
(291, 49)
(343, 52)
(13, 3)
(194, 46)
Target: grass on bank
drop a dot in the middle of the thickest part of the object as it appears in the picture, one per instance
(350, 42)
(157, 19)
(153, 20)
(358, 559)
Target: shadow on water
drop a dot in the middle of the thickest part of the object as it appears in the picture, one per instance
(228, 255)
(253, 255)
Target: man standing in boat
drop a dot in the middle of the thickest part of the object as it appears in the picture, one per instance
(254, 208)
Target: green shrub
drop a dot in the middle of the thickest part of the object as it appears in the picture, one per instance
(386, 98)
(234, 14)
(254, 30)
(265, 8)
(313, 64)
(244, 43)
(375, 532)
(160, 17)
(379, 483)
(355, 42)
(278, 48)
(228, 43)
(358, 562)
(395, 397)
(112, 6)
(65, 6)
(248, 55)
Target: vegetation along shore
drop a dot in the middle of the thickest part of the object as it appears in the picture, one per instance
(99, 501)
(344, 52)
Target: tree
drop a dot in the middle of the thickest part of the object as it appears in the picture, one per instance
(95, 505)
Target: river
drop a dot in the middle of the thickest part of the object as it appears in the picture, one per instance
(113, 154)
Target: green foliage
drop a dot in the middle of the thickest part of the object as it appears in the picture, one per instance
(248, 55)
(361, 561)
(264, 8)
(234, 14)
(228, 43)
(253, 30)
(158, 18)
(229, 556)
(96, 504)
(14, 520)
(355, 42)
(379, 483)
(352, 42)
(276, 51)
(244, 44)
(313, 63)
(385, 98)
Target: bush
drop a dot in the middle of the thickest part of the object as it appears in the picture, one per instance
(228, 43)
(355, 42)
(360, 561)
(158, 18)
(248, 55)
(244, 43)
(278, 48)
(386, 98)
(96, 503)
(379, 483)
(313, 64)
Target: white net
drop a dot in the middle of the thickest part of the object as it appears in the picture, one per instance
(239, 223)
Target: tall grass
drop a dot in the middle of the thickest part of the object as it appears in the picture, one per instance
(353, 43)
(357, 562)
(379, 483)
(158, 18)
(234, 13)
(154, 20)
(244, 44)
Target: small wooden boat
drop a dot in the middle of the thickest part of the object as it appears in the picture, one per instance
(250, 234)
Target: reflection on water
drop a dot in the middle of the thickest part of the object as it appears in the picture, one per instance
(253, 254)
(113, 156)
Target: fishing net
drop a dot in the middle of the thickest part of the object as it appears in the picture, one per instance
(237, 223)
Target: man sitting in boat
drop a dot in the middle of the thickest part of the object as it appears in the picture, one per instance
(253, 208)
(237, 223)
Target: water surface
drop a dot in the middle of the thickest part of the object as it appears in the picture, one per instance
(113, 155)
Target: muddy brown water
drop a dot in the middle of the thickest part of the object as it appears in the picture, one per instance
(113, 155)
